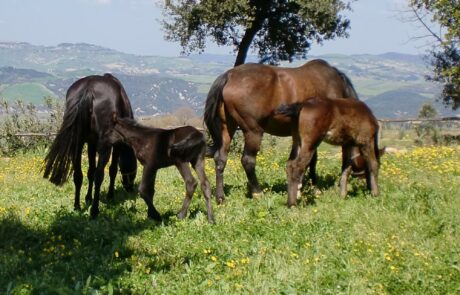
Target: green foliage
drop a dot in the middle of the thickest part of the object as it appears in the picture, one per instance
(427, 111)
(403, 242)
(446, 54)
(276, 29)
(22, 128)
(427, 132)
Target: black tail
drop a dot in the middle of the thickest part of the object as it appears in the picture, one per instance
(189, 148)
(211, 117)
(69, 140)
(350, 91)
(289, 110)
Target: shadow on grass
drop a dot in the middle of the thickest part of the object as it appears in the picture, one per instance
(69, 256)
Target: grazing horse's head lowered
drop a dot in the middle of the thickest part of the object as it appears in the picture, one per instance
(90, 103)
(344, 122)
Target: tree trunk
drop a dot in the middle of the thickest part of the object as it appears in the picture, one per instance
(247, 40)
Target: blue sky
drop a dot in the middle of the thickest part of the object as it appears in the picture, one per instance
(132, 26)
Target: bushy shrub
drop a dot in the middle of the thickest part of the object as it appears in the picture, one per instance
(23, 126)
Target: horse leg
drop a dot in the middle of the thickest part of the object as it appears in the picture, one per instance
(346, 170)
(147, 190)
(77, 178)
(312, 168)
(104, 155)
(113, 171)
(190, 186)
(252, 142)
(220, 160)
(205, 186)
(296, 170)
(91, 170)
(295, 149)
(372, 167)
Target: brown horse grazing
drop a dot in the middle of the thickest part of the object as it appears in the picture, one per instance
(158, 148)
(90, 103)
(248, 95)
(345, 122)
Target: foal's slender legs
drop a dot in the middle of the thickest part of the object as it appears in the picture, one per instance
(296, 170)
(312, 168)
(252, 142)
(147, 190)
(372, 166)
(104, 155)
(77, 178)
(190, 186)
(91, 171)
(346, 170)
(113, 171)
(205, 186)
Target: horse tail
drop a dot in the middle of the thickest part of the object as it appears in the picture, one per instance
(350, 91)
(289, 110)
(211, 116)
(190, 147)
(70, 138)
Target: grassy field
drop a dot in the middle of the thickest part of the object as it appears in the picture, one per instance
(404, 242)
(34, 92)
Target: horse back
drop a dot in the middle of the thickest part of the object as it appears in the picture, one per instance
(253, 92)
(339, 121)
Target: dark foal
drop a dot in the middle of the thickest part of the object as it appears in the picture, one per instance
(344, 122)
(158, 148)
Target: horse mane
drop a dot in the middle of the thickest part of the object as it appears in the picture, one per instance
(350, 91)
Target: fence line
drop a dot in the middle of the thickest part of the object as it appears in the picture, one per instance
(381, 121)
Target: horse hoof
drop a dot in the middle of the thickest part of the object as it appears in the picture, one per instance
(94, 213)
(257, 196)
(211, 220)
(220, 201)
(155, 217)
(88, 201)
(181, 215)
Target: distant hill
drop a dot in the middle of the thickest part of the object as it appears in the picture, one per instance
(403, 104)
(392, 83)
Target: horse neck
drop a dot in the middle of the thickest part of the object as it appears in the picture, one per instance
(132, 134)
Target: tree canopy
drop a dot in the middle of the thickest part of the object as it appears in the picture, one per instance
(276, 29)
(446, 51)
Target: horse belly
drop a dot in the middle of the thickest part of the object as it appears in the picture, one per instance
(335, 137)
(278, 127)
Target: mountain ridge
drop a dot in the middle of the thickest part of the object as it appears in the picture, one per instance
(158, 85)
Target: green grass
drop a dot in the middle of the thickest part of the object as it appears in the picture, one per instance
(406, 241)
(28, 92)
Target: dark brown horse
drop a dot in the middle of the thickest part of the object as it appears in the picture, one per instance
(248, 95)
(158, 148)
(345, 122)
(90, 103)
